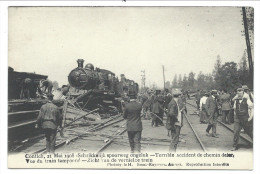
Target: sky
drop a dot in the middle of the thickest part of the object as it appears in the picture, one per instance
(124, 40)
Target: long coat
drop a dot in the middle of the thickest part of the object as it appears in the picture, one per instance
(174, 115)
(226, 102)
(132, 113)
(211, 110)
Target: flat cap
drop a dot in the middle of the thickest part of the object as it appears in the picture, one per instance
(245, 87)
(214, 91)
(240, 89)
(176, 93)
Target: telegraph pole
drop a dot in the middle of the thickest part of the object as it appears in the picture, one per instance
(249, 55)
(163, 78)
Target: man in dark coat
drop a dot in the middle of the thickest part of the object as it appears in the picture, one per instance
(211, 108)
(225, 100)
(132, 113)
(175, 119)
(197, 97)
(49, 119)
(157, 112)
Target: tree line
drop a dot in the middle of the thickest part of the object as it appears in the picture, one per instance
(226, 75)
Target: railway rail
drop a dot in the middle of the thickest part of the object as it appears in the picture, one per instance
(66, 140)
(110, 135)
(196, 134)
(227, 129)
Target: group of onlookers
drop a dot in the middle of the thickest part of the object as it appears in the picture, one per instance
(234, 107)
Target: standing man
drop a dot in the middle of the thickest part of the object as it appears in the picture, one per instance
(175, 120)
(157, 112)
(147, 105)
(46, 85)
(247, 94)
(197, 97)
(26, 87)
(225, 106)
(212, 113)
(50, 120)
(203, 114)
(243, 108)
(247, 91)
(132, 114)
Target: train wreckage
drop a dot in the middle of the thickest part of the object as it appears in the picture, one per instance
(92, 94)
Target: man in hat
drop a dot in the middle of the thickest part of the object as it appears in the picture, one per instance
(132, 113)
(247, 94)
(50, 120)
(212, 113)
(203, 114)
(197, 97)
(225, 106)
(157, 111)
(175, 119)
(147, 105)
(243, 110)
(247, 91)
(46, 85)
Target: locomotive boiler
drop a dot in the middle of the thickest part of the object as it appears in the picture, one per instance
(102, 86)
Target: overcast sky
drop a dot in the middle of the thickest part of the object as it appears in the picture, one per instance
(124, 40)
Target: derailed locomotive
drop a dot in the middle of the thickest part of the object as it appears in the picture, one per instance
(103, 88)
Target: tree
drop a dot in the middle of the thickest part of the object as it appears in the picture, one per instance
(174, 82)
(209, 81)
(201, 81)
(216, 72)
(180, 81)
(229, 77)
(185, 84)
(243, 70)
(191, 80)
(168, 85)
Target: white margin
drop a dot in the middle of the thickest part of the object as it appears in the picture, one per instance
(4, 65)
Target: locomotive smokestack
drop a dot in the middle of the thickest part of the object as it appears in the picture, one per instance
(80, 63)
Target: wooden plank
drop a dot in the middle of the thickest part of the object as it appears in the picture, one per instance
(23, 112)
(64, 112)
(22, 124)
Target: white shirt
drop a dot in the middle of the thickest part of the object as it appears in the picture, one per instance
(203, 101)
(244, 96)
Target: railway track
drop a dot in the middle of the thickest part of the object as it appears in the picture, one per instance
(110, 136)
(36, 144)
(196, 134)
(225, 131)
(78, 134)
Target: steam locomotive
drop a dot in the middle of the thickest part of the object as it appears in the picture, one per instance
(102, 86)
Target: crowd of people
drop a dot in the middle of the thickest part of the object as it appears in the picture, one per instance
(234, 107)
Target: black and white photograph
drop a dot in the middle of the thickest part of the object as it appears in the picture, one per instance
(131, 87)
